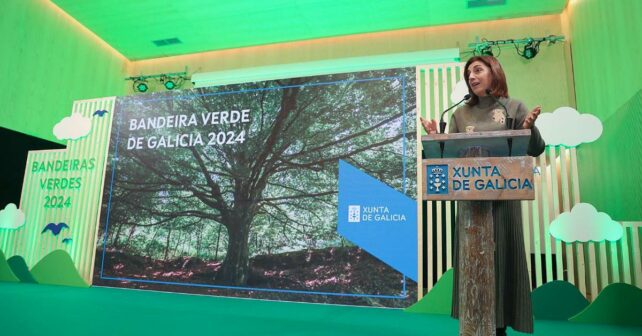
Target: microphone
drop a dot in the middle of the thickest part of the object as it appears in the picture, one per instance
(509, 120)
(442, 123)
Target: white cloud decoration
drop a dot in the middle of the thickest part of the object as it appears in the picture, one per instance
(459, 91)
(72, 128)
(584, 223)
(567, 127)
(11, 217)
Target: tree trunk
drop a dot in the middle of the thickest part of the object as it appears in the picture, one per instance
(169, 234)
(218, 240)
(129, 237)
(199, 239)
(175, 249)
(149, 245)
(236, 266)
(116, 241)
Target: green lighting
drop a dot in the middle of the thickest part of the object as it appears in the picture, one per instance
(487, 51)
(170, 85)
(141, 87)
(529, 53)
(530, 50)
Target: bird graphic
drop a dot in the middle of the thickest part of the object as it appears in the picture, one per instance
(55, 228)
(100, 113)
(66, 241)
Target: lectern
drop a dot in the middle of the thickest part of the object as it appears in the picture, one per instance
(476, 169)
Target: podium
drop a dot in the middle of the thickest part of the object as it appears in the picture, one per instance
(476, 169)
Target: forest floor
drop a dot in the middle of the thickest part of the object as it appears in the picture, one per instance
(335, 270)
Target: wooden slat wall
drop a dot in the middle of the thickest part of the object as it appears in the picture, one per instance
(589, 266)
(434, 84)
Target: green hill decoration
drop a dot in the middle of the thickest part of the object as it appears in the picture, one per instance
(439, 299)
(20, 269)
(5, 270)
(557, 300)
(57, 268)
(618, 303)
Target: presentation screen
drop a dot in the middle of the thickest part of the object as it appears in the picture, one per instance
(300, 189)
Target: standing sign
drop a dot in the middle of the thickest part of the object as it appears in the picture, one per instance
(61, 201)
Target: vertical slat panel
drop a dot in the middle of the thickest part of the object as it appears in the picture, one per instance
(566, 206)
(626, 265)
(85, 149)
(537, 241)
(635, 254)
(555, 211)
(615, 267)
(429, 248)
(581, 268)
(603, 266)
(420, 96)
(592, 269)
(437, 82)
(453, 72)
(439, 235)
(448, 226)
(430, 235)
(546, 203)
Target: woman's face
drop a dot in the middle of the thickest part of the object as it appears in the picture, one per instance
(479, 78)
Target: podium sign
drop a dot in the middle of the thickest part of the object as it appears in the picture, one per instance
(478, 178)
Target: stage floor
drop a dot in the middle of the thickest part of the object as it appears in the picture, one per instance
(29, 309)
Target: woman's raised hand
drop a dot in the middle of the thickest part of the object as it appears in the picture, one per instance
(531, 117)
(430, 126)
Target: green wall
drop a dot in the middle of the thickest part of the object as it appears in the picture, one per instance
(606, 41)
(47, 61)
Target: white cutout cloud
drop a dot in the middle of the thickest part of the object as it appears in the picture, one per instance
(567, 127)
(583, 223)
(459, 91)
(11, 217)
(72, 128)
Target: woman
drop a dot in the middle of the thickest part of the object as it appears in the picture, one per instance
(487, 85)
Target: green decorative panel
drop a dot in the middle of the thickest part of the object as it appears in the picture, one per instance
(61, 200)
(557, 300)
(440, 298)
(618, 303)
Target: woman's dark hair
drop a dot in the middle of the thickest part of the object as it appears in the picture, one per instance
(498, 87)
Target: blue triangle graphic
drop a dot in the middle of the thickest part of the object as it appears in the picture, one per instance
(378, 218)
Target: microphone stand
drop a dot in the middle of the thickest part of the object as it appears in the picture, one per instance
(442, 123)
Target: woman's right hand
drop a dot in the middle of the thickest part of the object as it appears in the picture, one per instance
(430, 126)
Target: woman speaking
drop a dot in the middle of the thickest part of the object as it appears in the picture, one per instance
(487, 110)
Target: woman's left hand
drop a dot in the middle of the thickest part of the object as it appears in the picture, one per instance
(529, 122)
